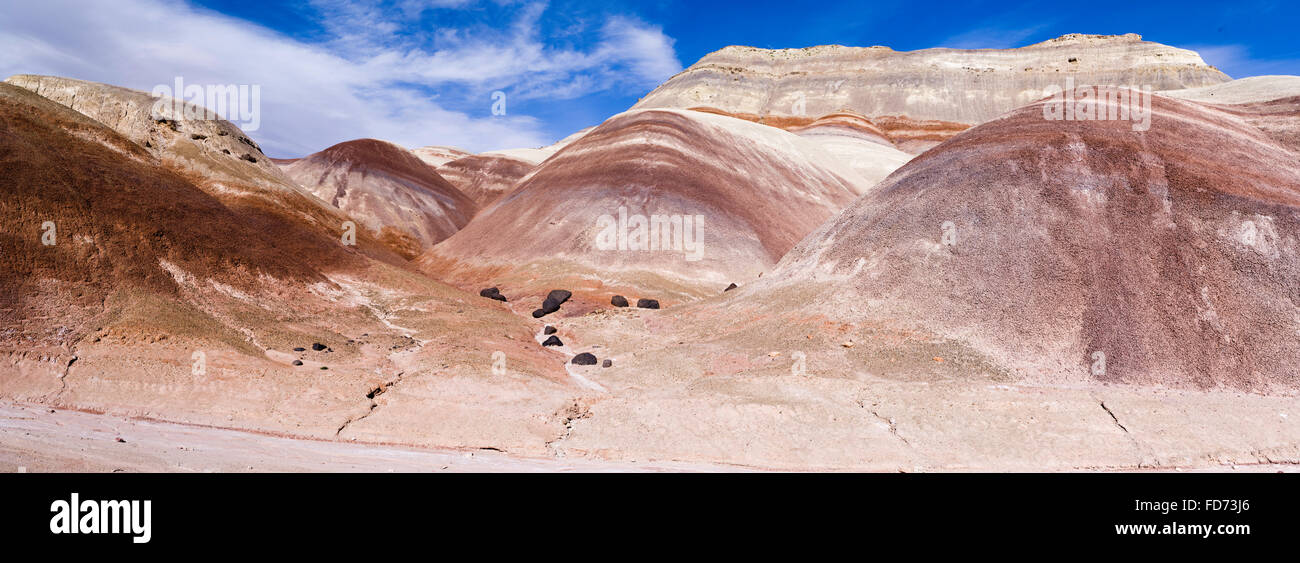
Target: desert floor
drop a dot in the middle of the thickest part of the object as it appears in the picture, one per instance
(34, 438)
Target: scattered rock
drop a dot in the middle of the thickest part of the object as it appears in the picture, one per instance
(607, 363)
(618, 301)
(492, 293)
(553, 341)
(318, 346)
(553, 301)
(647, 303)
(584, 359)
(548, 330)
(559, 296)
(729, 288)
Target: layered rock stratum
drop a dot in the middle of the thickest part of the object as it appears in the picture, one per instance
(856, 141)
(1270, 103)
(436, 156)
(539, 154)
(734, 195)
(927, 94)
(485, 178)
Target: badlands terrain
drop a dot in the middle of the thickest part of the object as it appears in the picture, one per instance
(832, 258)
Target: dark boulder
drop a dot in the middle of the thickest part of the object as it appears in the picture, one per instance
(647, 303)
(618, 301)
(553, 341)
(540, 313)
(584, 359)
(318, 346)
(492, 293)
(548, 330)
(300, 349)
(607, 363)
(559, 296)
(729, 288)
(549, 306)
(297, 362)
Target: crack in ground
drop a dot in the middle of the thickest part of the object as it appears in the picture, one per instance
(377, 391)
(63, 379)
(393, 357)
(893, 425)
(1112, 416)
(1142, 452)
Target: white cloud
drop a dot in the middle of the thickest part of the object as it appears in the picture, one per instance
(993, 37)
(1236, 61)
(363, 81)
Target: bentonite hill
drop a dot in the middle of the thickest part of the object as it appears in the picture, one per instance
(1080, 254)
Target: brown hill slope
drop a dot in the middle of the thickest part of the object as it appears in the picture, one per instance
(386, 189)
(213, 154)
(160, 300)
(1080, 251)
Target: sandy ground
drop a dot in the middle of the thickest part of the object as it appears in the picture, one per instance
(35, 439)
(40, 439)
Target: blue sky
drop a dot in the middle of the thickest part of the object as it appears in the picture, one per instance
(421, 72)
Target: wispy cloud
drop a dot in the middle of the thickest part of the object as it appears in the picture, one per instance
(993, 37)
(372, 74)
(1238, 62)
